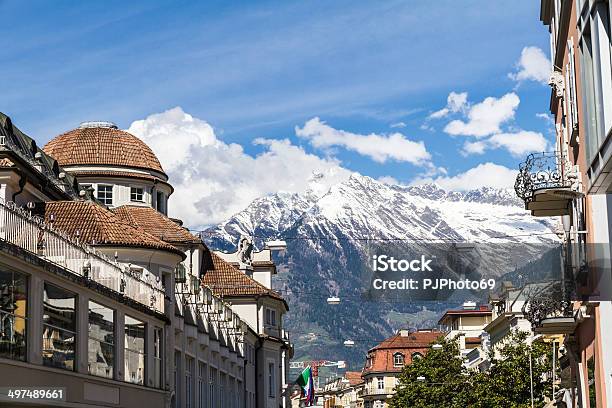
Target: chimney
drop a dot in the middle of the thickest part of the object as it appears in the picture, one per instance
(404, 332)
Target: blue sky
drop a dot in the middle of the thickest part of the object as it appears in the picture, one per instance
(259, 69)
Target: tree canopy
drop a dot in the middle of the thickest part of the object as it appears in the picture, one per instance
(440, 379)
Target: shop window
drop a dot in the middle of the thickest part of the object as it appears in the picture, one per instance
(134, 350)
(101, 342)
(59, 327)
(13, 303)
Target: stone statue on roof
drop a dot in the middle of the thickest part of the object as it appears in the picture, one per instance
(245, 252)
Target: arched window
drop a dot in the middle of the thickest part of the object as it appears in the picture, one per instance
(416, 356)
(398, 360)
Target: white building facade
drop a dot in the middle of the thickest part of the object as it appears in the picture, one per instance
(101, 291)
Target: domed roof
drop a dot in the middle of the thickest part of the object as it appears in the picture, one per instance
(101, 143)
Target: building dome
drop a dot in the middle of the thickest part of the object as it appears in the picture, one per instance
(102, 144)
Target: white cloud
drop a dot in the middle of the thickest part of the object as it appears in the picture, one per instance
(517, 144)
(477, 147)
(533, 65)
(380, 148)
(398, 125)
(455, 102)
(389, 180)
(486, 117)
(213, 179)
(484, 175)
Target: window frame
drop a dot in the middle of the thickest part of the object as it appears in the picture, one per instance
(395, 359)
(127, 350)
(74, 333)
(271, 379)
(139, 191)
(104, 200)
(101, 341)
(270, 317)
(16, 316)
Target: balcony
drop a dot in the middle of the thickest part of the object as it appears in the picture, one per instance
(549, 308)
(547, 183)
(375, 391)
(32, 234)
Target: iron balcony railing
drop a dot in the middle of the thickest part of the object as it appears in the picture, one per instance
(549, 300)
(33, 234)
(543, 171)
(374, 390)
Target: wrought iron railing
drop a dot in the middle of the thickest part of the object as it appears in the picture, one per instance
(543, 171)
(549, 300)
(374, 390)
(33, 234)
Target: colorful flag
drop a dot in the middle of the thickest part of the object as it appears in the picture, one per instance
(305, 381)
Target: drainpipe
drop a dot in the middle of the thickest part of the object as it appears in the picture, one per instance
(258, 346)
(22, 183)
(244, 377)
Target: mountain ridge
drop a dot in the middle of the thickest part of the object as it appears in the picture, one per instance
(330, 233)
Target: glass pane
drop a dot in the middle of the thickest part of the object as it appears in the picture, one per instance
(134, 367)
(13, 293)
(101, 323)
(12, 336)
(101, 358)
(134, 350)
(101, 351)
(59, 322)
(13, 303)
(157, 357)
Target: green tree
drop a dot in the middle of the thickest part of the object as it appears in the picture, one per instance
(440, 379)
(436, 380)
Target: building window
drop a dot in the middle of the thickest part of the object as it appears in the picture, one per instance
(380, 382)
(105, 194)
(416, 356)
(101, 343)
(212, 385)
(137, 194)
(189, 362)
(157, 357)
(59, 327)
(177, 386)
(134, 350)
(161, 202)
(398, 360)
(13, 303)
(201, 385)
(271, 380)
(222, 390)
(270, 317)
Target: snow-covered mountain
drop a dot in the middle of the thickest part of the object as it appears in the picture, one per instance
(329, 234)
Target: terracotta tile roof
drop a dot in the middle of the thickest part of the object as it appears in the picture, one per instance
(353, 377)
(381, 356)
(225, 280)
(155, 223)
(482, 310)
(6, 162)
(111, 173)
(99, 226)
(102, 146)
